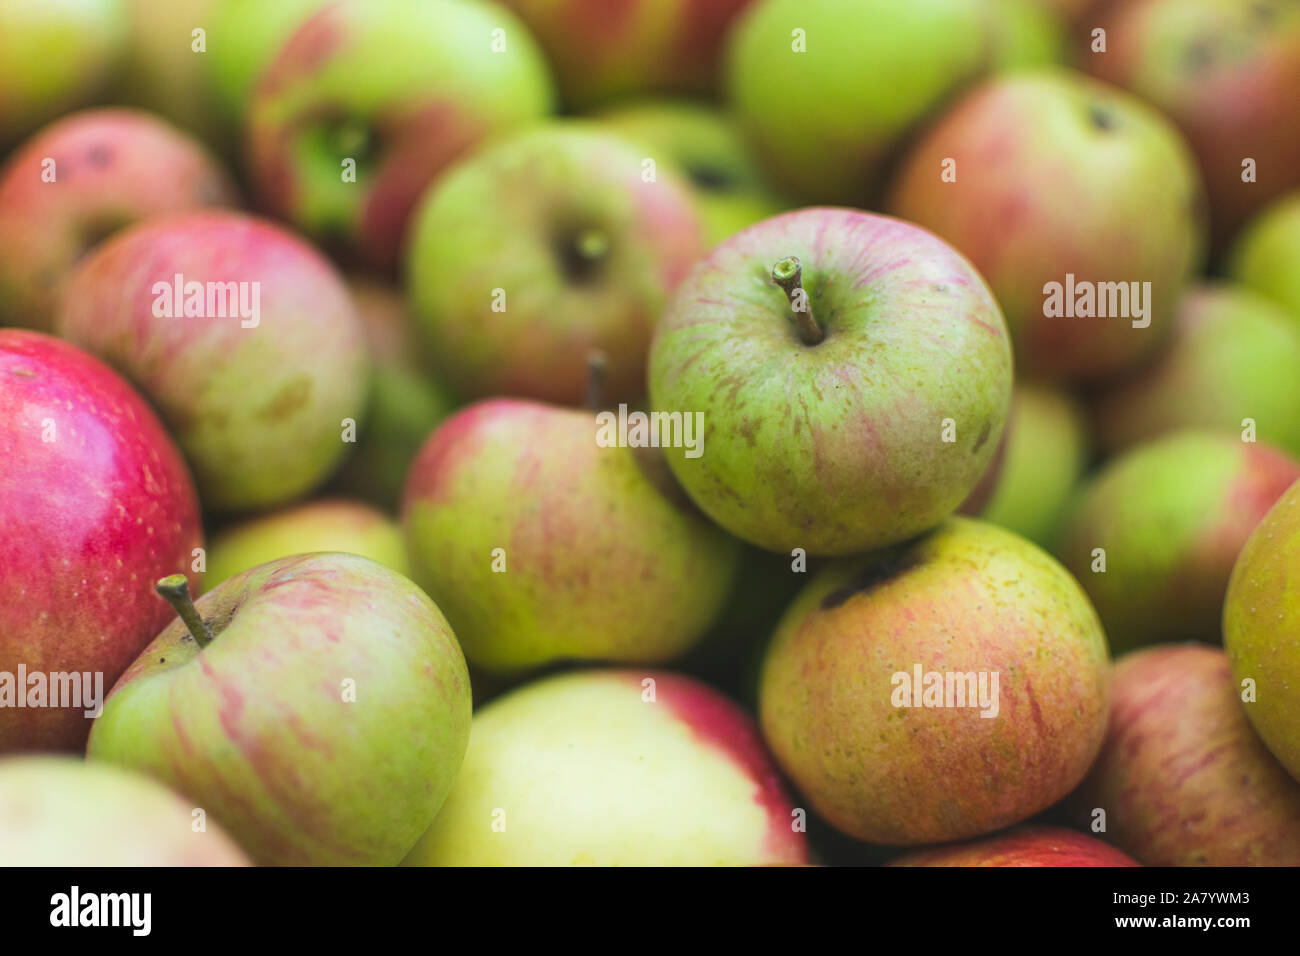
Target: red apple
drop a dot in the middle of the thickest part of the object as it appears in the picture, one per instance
(1024, 846)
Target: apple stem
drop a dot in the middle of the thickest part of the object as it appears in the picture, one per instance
(788, 274)
(597, 366)
(176, 590)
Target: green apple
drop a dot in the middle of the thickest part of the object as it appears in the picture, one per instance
(1025, 34)
(614, 768)
(847, 700)
(866, 421)
(318, 707)
(1153, 536)
(1267, 255)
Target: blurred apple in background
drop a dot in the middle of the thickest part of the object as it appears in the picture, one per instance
(1267, 253)
(110, 168)
(1026, 34)
(1024, 846)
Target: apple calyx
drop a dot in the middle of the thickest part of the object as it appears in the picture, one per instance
(788, 274)
(175, 589)
(597, 366)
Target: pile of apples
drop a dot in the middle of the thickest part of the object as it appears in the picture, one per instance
(971, 334)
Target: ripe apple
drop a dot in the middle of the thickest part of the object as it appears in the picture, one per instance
(1025, 34)
(327, 524)
(1170, 516)
(95, 502)
(110, 168)
(1182, 778)
(994, 617)
(1023, 846)
(540, 544)
(1059, 176)
(1261, 618)
(258, 396)
(317, 707)
(866, 421)
(400, 89)
(610, 768)
(827, 89)
(60, 811)
(1267, 255)
(542, 247)
(1233, 358)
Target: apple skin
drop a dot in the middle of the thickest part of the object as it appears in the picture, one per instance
(968, 597)
(114, 167)
(54, 55)
(258, 411)
(1267, 254)
(1171, 515)
(90, 518)
(255, 728)
(1056, 174)
(1198, 62)
(61, 811)
(834, 448)
(404, 87)
(825, 121)
(327, 524)
(1026, 34)
(1261, 621)
(511, 218)
(1182, 777)
(587, 771)
(605, 560)
(1024, 846)
(1233, 356)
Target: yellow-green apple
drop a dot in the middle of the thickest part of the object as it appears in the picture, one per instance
(369, 100)
(245, 339)
(326, 524)
(1081, 206)
(1023, 846)
(1025, 34)
(542, 247)
(95, 502)
(827, 89)
(1231, 364)
(1261, 621)
(317, 707)
(1183, 780)
(54, 55)
(854, 375)
(542, 541)
(610, 768)
(938, 690)
(81, 179)
(61, 811)
(1266, 257)
(1227, 72)
(1153, 536)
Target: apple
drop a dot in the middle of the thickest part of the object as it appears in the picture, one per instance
(614, 768)
(259, 394)
(707, 148)
(54, 55)
(542, 544)
(1153, 536)
(1261, 618)
(60, 811)
(1024, 846)
(1227, 74)
(317, 707)
(827, 89)
(542, 247)
(1232, 361)
(1061, 179)
(1182, 777)
(95, 501)
(866, 421)
(1266, 257)
(81, 179)
(847, 696)
(327, 524)
(369, 100)
(1025, 34)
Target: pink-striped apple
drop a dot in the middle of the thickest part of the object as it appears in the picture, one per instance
(1024, 846)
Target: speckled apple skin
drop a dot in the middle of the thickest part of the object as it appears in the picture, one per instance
(1024, 846)
(255, 727)
(1183, 778)
(967, 597)
(1261, 627)
(838, 447)
(88, 521)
